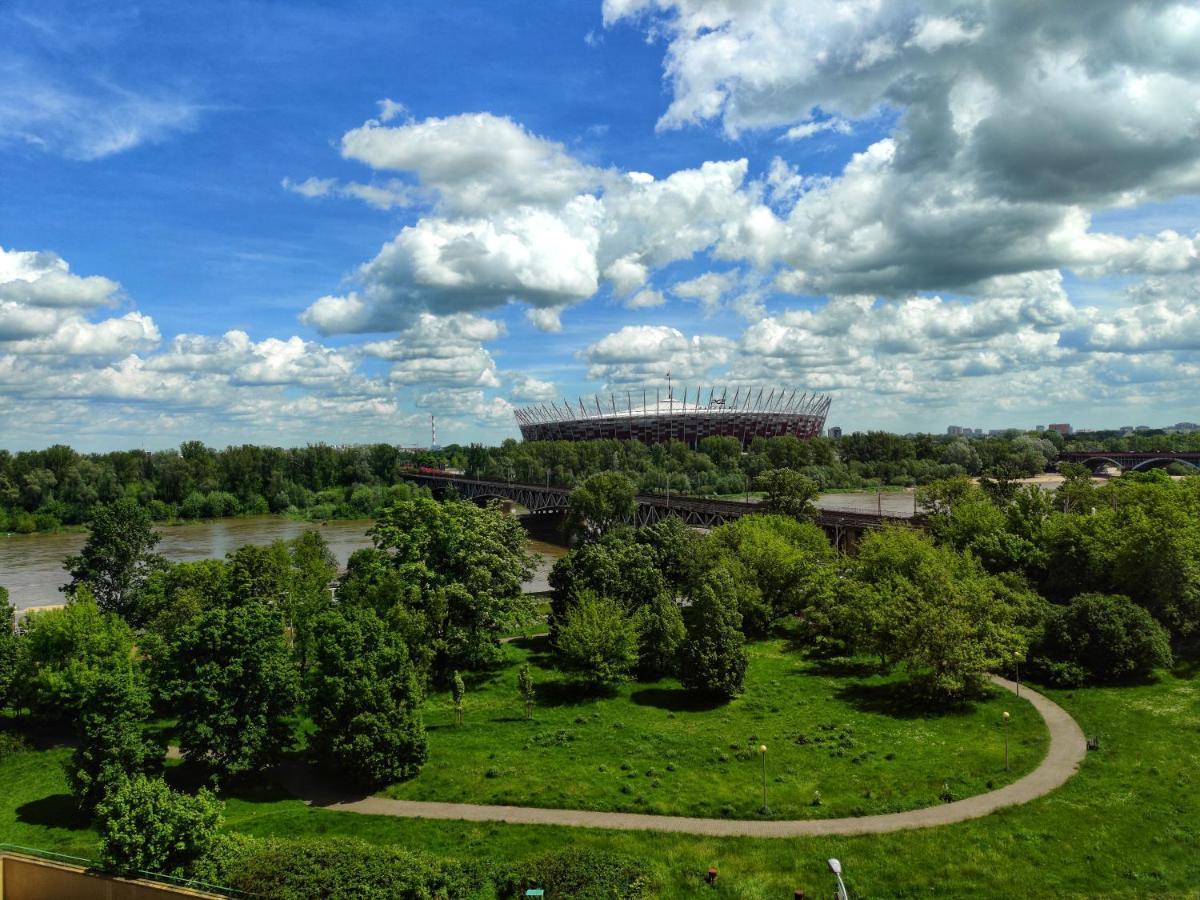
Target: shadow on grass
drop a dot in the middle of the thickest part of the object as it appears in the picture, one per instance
(898, 700)
(840, 667)
(676, 700)
(566, 692)
(55, 811)
(260, 787)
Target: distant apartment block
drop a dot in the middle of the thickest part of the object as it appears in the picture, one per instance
(1061, 428)
(835, 431)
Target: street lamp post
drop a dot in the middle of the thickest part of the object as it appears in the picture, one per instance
(836, 868)
(1005, 717)
(762, 751)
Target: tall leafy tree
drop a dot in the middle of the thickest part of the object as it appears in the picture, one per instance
(460, 569)
(10, 649)
(313, 568)
(235, 688)
(660, 633)
(365, 700)
(712, 658)
(65, 649)
(788, 493)
(600, 503)
(778, 566)
(931, 608)
(117, 558)
(618, 566)
(112, 743)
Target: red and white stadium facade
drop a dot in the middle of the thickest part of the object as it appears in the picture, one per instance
(652, 416)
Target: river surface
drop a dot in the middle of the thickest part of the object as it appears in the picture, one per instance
(31, 565)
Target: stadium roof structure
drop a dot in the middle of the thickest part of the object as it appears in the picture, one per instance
(624, 415)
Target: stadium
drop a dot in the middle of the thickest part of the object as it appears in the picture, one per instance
(652, 418)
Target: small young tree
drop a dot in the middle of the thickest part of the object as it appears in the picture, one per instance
(112, 744)
(526, 689)
(459, 689)
(660, 633)
(712, 658)
(598, 641)
(147, 827)
(366, 699)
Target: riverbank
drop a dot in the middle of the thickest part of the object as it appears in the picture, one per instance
(31, 566)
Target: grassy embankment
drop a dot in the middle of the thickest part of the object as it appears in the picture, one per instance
(1127, 825)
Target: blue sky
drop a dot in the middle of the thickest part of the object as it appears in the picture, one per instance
(290, 222)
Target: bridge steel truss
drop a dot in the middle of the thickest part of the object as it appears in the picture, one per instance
(1130, 460)
(698, 513)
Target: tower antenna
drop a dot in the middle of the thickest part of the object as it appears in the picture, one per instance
(433, 430)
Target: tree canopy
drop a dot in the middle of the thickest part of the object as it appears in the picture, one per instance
(117, 558)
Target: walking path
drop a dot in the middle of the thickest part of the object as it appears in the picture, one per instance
(1067, 749)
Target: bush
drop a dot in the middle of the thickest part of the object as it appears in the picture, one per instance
(145, 826)
(582, 874)
(342, 868)
(1103, 638)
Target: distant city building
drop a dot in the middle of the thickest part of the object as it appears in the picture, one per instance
(1041, 428)
(1126, 429)
(1143, 428)
(835, 431)
(957, 430)
(745, 414)
(1061, 428)
(1184, 426)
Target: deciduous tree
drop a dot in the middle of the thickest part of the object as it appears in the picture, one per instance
(365, 700)
(598, 641)
(788, 493)
(712, 658)
(147, 827)
(117, 558)
(600, 503)
(235, 688)
(112, 742)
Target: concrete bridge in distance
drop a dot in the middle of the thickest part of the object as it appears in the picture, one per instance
(1130, 461)
(543, 499)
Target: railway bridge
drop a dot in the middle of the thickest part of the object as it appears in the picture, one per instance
(1130, 461)
(549, 499)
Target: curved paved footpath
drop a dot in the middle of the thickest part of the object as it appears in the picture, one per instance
(1067, 749)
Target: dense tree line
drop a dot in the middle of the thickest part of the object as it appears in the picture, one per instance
(717, 466)
(41, 490)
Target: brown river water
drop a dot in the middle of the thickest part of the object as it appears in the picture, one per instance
(31, 565)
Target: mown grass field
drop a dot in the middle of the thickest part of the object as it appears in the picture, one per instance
(1128, 825)
(840, 742)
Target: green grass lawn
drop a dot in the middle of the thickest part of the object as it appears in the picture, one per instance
(1127, 825)
(838, 730)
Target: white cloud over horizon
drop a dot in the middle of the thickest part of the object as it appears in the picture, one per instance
(957, 253)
